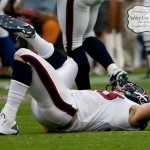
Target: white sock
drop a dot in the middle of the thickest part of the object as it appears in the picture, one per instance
(43, 48)
(16, 95)
(10, 111)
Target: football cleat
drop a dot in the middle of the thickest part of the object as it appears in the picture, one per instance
(16, 26)
(118, 74)
(8, 126)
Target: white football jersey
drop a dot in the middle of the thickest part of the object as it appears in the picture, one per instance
(101, 111)
(55, 105)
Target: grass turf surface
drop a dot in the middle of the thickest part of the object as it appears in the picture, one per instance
(32, 136)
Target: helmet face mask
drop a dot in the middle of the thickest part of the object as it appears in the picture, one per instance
(131, 91)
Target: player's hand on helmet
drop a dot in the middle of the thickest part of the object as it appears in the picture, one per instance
(118, 74)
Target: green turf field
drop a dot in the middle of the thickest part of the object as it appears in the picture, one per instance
(32, 136)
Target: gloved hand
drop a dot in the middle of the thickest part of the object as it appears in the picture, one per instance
(118, 74)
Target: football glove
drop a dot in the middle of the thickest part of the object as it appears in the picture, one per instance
(118, 74)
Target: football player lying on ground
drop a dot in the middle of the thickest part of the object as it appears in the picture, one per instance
(48, 77)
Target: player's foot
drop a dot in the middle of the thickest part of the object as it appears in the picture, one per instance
(16, 26)
(7, 126)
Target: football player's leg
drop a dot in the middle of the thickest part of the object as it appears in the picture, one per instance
(94, 47)
(26, 31)
(66, 67)
(20, 82)
(48, 89)
(73, 35)
(47, 51)
(68, 72)
(97, 50)
(82, 79)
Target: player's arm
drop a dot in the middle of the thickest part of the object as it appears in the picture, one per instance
(139, 115)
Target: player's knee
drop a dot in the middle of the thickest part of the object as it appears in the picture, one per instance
(19, 53)
(19, 58)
